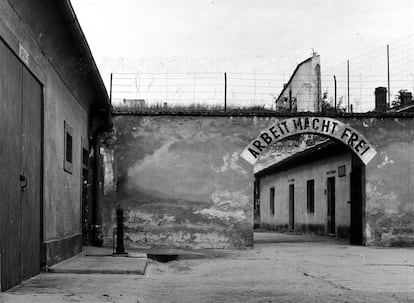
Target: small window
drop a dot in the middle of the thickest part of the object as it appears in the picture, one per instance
(310, 194)
(342, 171)
(272, 201)
(68, 162)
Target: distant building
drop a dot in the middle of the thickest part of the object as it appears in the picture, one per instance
(302, 93)
(310, 191)
(134, 103)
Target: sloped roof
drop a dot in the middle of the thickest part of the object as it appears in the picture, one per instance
(292, 76)
(319, 151)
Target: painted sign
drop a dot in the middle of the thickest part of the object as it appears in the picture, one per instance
(304, 125)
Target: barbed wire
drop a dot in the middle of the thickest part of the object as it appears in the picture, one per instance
(354, 86)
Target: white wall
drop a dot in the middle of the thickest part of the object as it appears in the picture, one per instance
(305, 87)
(319, 171)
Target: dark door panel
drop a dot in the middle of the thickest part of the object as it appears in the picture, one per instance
(10, 166)
(31, 169)
(357, 201)
(331, 205)
(20, 165)
(291, 207)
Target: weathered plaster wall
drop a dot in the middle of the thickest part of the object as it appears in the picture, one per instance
(62, 193)
(318, 171)
(181, 180)
(390, 182)
(182, 183)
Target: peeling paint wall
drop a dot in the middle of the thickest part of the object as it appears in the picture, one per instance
(390, 183)
(182, 183)
(181, 180)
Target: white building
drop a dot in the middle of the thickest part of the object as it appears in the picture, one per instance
(302, 93)
(311, 192)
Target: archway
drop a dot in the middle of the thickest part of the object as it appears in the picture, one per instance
(359, 153)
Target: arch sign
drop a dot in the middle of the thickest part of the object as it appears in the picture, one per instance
(304, 125)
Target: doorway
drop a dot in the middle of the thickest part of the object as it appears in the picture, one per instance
(331, 206)
(357, 201)
(21, 116)
(291, 207)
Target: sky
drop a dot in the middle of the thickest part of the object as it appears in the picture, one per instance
(260, 36)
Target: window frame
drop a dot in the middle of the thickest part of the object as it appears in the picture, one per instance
(341, 171)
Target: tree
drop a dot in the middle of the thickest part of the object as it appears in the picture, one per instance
(401, 98)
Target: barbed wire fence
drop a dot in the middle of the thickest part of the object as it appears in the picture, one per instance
(390, 66)
(352, 81)
(214, 90)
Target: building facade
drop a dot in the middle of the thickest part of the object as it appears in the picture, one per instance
(53, 109)
(308, 192)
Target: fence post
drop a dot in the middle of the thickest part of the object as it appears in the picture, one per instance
(110, 91)
(225, 92)
(120, 248)
(388, 75)
(335, 92)
(347, 67)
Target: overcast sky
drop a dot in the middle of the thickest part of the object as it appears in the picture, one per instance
(245, 35)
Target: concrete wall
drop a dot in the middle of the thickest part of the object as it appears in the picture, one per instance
(390, 182)
(181, 180)
(182, 183)
(61, 190)
(316, 222)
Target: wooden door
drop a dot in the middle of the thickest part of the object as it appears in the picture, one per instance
(291, 207)
(20, 157)
(10, 166)
(32, 172)
(331, 205)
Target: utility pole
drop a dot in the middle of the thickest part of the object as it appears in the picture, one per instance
(388, 75)
(335, 92)
(110, 91)
(347, 68)
(225, 92)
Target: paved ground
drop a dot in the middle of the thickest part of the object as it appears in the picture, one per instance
(280, 268)
(101, 261)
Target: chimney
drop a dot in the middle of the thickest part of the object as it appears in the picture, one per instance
(380, 99)
(405, 97)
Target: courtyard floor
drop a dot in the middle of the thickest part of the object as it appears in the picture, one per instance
(280, 268)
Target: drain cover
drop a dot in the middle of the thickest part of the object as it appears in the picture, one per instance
(164, 258)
